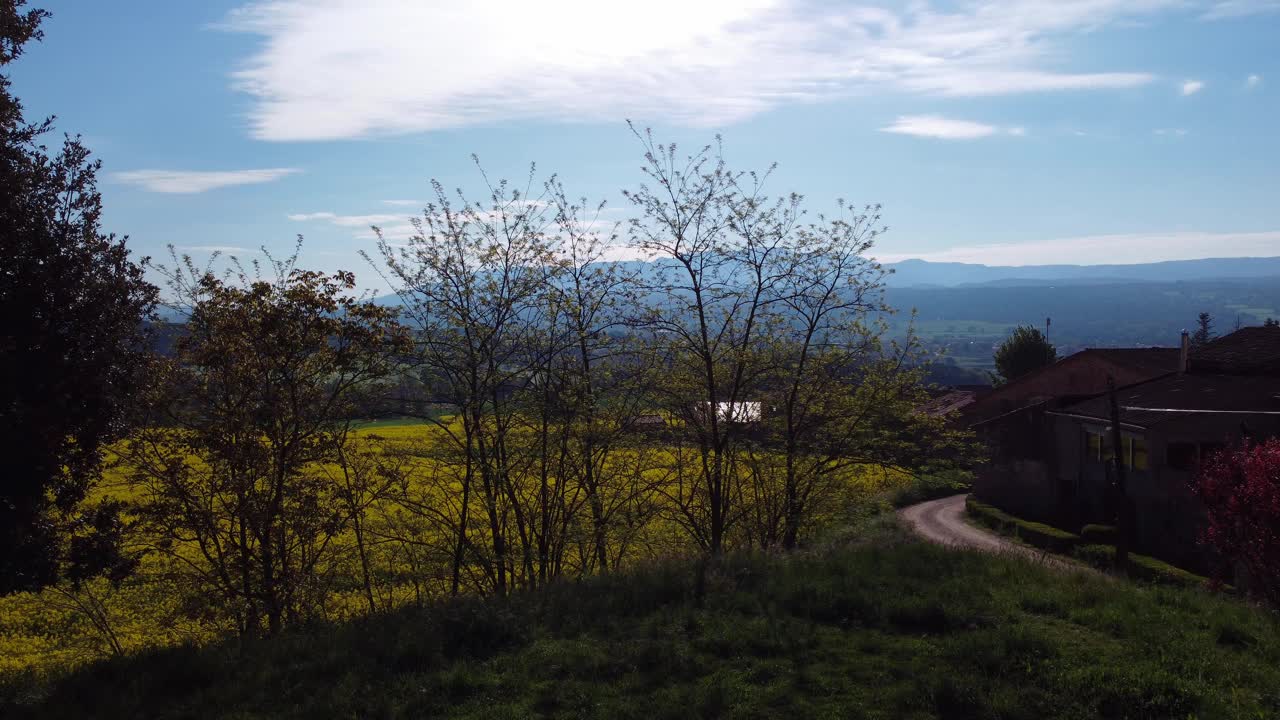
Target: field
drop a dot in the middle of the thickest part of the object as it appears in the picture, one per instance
(48, 633)
(875, 626)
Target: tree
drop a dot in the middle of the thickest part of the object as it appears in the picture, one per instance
(1271, 322)
(238, 491)
(1025, 350)
(473, 282)
(717, 242)
(1204, 331)
(1240, 488)
(73, 348)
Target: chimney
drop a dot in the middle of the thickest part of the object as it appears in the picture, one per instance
(1184, 354)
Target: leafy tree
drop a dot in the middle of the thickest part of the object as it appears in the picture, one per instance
(1025, 350)
(72, 350)
(1204, 330)
(1271, 322)
(238, 484)
(1240, 488)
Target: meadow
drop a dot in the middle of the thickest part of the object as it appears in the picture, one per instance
(45, 634)
(872, 624)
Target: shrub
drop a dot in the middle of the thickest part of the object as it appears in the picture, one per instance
(1141, 567)
(1037, 534)
(1149, 568)
(1098, 534)
(1240, 488)
(1099, 556)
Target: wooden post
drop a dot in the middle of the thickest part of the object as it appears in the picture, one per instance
(1120, 488)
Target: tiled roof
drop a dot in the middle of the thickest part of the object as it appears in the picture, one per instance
(1154, 360)
(948, 403)
(1248, 350)
(1180, 396)
(1058, 380)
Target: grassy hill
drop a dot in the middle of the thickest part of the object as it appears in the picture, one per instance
(880, 626)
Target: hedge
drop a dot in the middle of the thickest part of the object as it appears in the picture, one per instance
(1141, 567)
(1098, 534)
(1037, 534)
(1094, 545)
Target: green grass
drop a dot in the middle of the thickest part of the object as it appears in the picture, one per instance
(881, 627)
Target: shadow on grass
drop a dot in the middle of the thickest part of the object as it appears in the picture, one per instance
(879, 627)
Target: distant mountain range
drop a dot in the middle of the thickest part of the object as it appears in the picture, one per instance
(922, 273)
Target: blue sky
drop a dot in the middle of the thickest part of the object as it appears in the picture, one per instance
(1021, 132)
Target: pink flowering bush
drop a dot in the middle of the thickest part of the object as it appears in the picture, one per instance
(1240, 488)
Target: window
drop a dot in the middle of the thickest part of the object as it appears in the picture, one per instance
(1133, 449)
(1139, 461)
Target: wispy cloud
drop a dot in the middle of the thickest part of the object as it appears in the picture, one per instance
(198, 181)
(942, 128)
(1228, 9)
(214, 249)
(1108, 249)
(1253, 81)
(351, 68)
(1170, 132)
(348, 220)
(1191, 87)
(410, 203)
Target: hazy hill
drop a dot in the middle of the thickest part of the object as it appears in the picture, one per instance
(921, 272)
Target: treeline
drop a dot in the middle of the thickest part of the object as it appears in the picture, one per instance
(571, 426)
(577, 415)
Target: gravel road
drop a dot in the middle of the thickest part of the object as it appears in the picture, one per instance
(942, 521)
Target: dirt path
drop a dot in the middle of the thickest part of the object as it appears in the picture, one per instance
(942, 521)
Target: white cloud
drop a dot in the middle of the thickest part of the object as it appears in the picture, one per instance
(398, 231)
(329, 69)
(214, 248)
(1108, 249)
(942, 128)
(1253, 81)
(198, 181)
(348, 220)
(1170, 132)
(1228, 9)
(1191, 87)
(413, 203)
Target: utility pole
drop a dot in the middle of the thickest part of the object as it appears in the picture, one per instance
(1119, 486)
(1047, 323)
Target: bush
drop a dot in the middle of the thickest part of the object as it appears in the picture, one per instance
(1098, 534)
(1141, 567)
(1149, 568)
(1099, 556)
(1037, 534)
(1240, 488)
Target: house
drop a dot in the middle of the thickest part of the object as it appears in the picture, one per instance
(736, 413)
(1229, 390)
(1052, 457)
(1011, 420)
(953, 400)
(1082, 374)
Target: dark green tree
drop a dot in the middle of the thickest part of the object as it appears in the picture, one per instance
(1204, 330)
(1025, 350)
(1271, 322)
(73, 305)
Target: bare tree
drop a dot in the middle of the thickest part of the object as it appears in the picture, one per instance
(473, 284)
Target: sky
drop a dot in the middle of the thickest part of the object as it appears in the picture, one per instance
(1006, 133)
